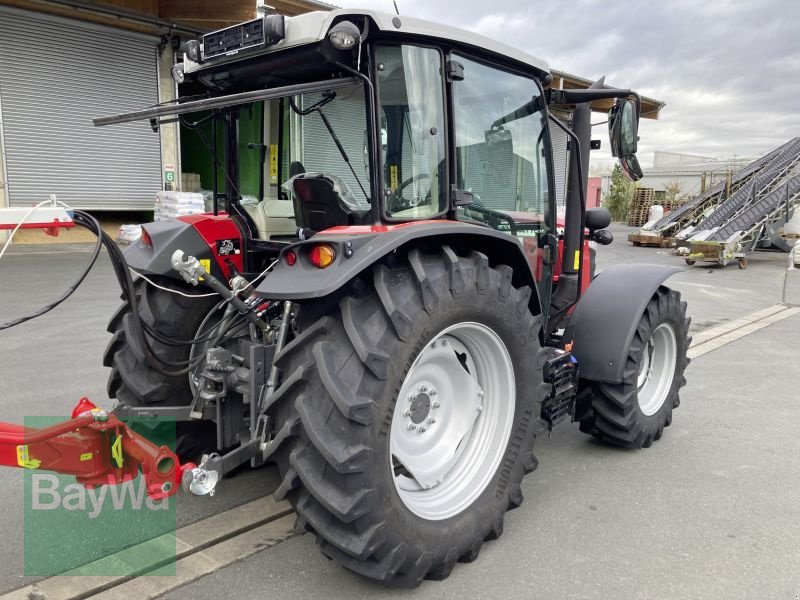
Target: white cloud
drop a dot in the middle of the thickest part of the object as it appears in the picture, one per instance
(729, 70)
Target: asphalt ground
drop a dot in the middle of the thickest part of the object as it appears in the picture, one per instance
(709, 511)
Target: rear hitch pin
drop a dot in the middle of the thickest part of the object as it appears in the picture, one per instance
(201, 481)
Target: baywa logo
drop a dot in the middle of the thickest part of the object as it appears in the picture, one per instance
(48, 492)
(104, 530)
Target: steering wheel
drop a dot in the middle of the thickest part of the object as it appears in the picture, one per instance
(396, 202)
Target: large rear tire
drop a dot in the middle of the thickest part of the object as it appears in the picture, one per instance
(634, 413)
(134, 383)
(434, 359)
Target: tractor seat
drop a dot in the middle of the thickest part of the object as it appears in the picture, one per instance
(322, 201)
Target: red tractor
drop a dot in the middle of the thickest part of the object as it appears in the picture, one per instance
(387, 323)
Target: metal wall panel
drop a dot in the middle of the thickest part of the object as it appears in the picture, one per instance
(560, 161)
(55, 76)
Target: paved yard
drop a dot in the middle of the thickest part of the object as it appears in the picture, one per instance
(710, 511)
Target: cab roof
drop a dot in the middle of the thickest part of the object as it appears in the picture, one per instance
(312, 27)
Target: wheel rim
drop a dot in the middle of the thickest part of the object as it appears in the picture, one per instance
(657, 369)
(452, 421)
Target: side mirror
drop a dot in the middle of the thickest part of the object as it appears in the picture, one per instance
(623, 128)
(597, 218)
(603, 237)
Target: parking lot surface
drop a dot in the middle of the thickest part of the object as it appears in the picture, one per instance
(710, 511)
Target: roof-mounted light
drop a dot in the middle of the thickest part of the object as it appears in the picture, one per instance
(193, 50)
(344, 35)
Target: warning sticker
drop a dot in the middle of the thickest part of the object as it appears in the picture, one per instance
(206, 263)
(577, 264)
(273, 164)
(24, 459)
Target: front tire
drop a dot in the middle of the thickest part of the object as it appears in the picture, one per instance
(411, 347)
(634, 413)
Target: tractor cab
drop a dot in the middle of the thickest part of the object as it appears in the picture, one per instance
(358, 118)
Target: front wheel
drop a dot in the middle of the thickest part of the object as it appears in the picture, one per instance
(406, 416)
(634, 413)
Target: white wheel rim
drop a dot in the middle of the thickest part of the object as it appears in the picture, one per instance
(452, 421)
(657, 369)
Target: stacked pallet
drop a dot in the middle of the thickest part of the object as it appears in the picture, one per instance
(670, 205)
(638, 213)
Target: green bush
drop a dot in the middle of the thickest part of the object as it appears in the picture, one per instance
(620, 194)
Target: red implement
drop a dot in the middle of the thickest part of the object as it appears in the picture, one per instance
(97, 448)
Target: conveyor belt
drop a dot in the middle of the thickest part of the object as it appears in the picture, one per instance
(752, 216)
(749, 192)
(738, 178)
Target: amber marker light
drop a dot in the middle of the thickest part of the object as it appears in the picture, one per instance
(322, 256)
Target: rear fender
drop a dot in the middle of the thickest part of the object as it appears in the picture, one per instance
(603, 323)
(358, 248)
(213, 240)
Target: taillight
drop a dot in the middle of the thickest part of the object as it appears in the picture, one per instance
(146, 241)
(290, 257)
(322, 255)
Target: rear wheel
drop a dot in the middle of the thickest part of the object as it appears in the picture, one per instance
(406, 417)
(134, 383)
(635, 412)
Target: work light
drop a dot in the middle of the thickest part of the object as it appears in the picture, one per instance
(344, 35)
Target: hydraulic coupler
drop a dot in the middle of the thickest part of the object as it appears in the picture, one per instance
(97, 448)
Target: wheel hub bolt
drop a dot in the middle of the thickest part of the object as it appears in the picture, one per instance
(411, 427)
(435, 405)
(412, 397)
(431, 420)
(423, 388)
(432, 392)
(407, 412)
(422, 430)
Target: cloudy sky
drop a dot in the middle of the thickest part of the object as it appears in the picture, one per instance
(728, 70)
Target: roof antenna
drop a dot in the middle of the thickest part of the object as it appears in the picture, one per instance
(395, 7)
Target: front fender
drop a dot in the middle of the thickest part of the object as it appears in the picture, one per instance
(358, 248)
(603, 323)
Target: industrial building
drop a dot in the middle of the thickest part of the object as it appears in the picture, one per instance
(67, 61)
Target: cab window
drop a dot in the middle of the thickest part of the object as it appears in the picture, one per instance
(411, 95)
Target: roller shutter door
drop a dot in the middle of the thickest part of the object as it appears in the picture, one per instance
(55, 76)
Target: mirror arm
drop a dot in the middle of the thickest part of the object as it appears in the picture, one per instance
(590, 95)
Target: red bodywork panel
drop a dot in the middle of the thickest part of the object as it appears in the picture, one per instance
(364, 229)
(218, 229)
(96, 447)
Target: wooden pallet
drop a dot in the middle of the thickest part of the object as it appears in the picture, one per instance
(653, 241)
(639, 211)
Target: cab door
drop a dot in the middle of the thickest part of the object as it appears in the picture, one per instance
(503, 158)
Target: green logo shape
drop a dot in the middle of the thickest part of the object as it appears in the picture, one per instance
(111, 531)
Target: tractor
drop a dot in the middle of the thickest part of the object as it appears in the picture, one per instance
(399, 316)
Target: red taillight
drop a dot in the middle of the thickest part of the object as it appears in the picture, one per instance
(290, 257)
(146, 238)
(322, 256)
